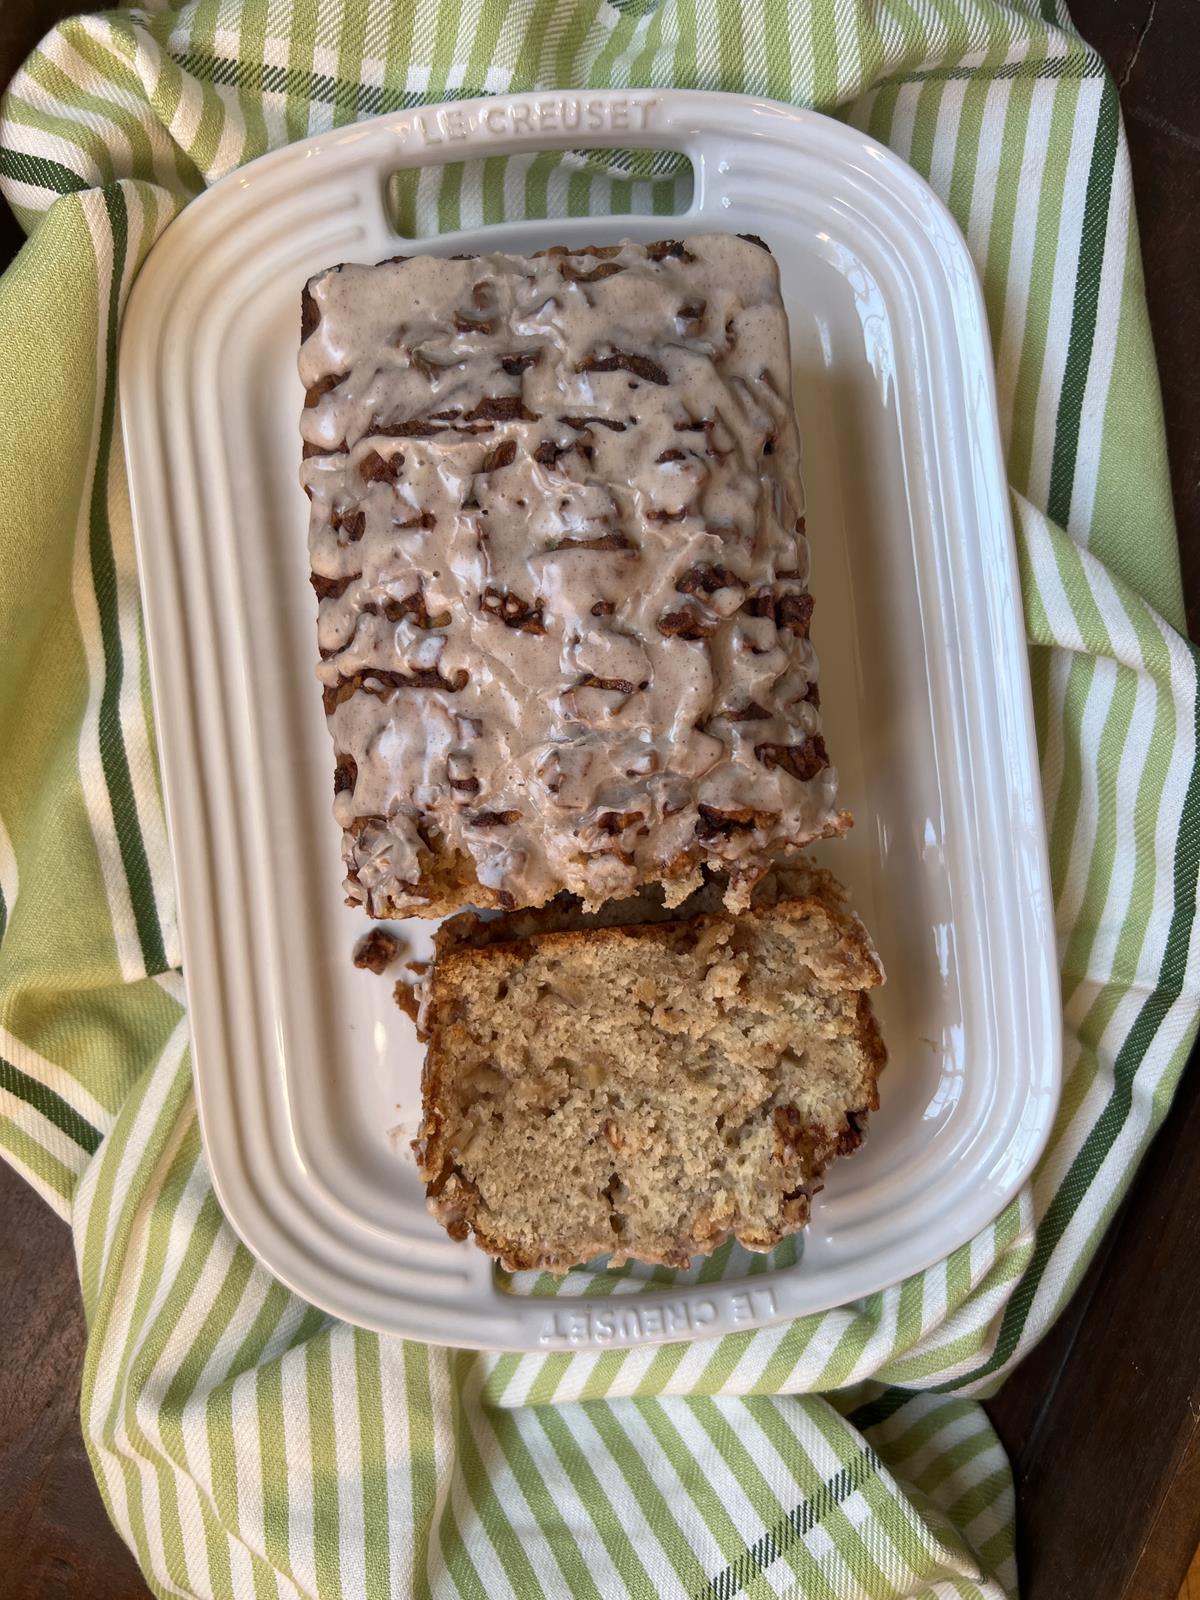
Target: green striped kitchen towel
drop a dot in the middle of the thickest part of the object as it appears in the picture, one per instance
(247, 1445)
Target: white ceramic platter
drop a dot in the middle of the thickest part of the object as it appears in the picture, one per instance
(307, 1076)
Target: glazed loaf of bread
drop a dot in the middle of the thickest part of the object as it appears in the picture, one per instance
(645, 1089)
(557, 538)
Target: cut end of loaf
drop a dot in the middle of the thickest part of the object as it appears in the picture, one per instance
(646, 1091)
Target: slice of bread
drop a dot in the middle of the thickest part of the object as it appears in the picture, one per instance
(647, 1090)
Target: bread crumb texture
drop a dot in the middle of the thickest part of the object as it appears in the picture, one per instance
(646, 1091)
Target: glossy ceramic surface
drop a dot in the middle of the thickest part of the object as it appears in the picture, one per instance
(307, 1076)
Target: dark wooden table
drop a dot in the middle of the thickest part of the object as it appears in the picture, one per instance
(1099, 1518)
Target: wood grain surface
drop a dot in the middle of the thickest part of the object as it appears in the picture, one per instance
(1100, 1519)
(56, 1542)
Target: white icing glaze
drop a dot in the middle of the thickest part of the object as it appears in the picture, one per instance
(523, 562)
